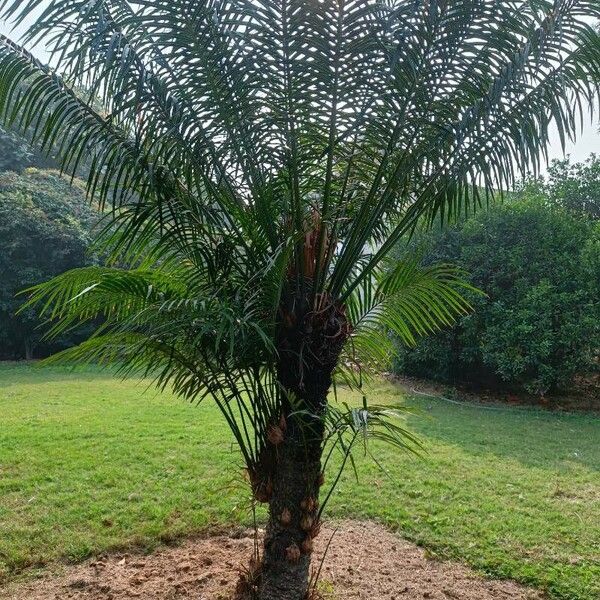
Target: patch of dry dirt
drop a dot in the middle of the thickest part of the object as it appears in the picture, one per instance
(364, 561)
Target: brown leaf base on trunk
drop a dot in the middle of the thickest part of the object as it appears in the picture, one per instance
(288, 478)
(289, 475)
(290, 529)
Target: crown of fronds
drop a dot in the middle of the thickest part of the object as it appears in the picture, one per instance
(246, 146)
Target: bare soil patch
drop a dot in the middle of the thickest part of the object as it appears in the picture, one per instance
(364, 561)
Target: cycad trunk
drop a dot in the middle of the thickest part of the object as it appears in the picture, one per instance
(309, 349)
(292, 518)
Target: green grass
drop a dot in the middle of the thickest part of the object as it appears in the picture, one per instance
(90, 463)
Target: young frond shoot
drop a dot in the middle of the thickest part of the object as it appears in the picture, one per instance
(257, 161)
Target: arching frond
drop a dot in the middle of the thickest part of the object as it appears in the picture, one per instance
(407, 302)
(253, 115)
(163, 325)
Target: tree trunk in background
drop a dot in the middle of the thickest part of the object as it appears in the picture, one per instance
(28, 349)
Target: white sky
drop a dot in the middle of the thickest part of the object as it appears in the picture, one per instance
(587, 142)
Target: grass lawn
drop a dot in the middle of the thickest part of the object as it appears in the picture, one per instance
(90, 463)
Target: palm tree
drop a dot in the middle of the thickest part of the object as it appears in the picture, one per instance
(260, 159)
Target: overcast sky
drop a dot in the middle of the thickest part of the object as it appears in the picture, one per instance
(588, 141)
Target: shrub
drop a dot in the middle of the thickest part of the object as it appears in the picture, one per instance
(15, 153)
(539, 264)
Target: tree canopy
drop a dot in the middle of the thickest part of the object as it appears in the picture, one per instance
(45, 229)
(265, 143)
(576, 187)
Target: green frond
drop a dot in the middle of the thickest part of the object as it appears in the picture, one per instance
(407, 301)
(162, 325)
(349, 428)
(251, 115)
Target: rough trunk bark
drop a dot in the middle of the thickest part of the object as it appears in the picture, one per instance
(292, 522)
(309, 343)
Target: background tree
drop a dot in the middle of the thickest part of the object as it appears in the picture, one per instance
(576, 186)
(263, 158)
(45, 229)
(29, 208)
(538, 325)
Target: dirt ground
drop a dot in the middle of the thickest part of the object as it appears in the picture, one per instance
(364, 560)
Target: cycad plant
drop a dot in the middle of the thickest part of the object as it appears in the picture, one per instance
(260, 158)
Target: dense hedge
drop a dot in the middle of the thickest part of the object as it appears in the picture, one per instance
(45, 226)
(538, 261)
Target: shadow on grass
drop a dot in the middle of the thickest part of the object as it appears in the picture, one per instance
(533, 437)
